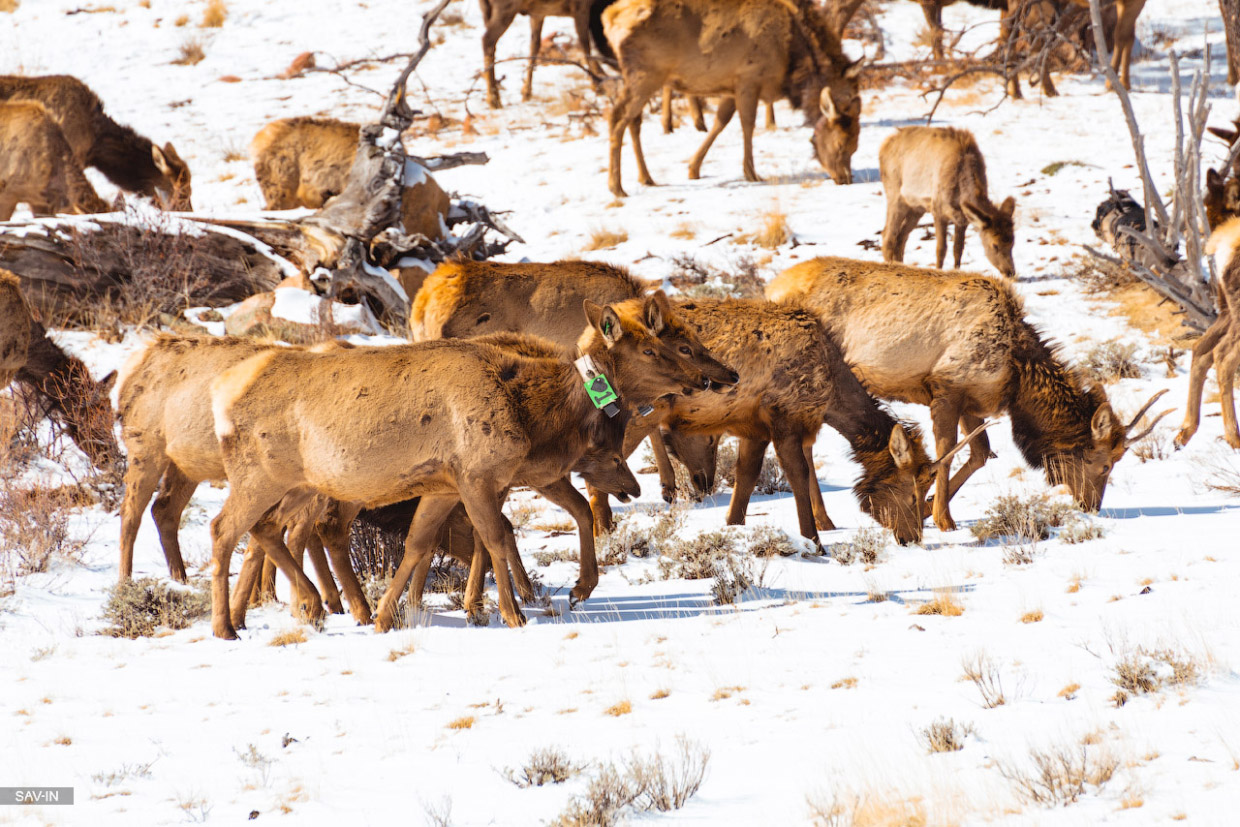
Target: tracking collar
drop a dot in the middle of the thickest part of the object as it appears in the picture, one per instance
(597, 387)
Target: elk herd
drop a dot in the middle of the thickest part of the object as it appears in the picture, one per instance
(521, 374)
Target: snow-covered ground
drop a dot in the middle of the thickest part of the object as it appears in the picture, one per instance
(804, 692)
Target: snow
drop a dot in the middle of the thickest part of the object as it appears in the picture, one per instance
(371, 733)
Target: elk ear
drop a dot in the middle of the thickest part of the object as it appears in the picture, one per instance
(656, 311)
(1103, 423)
(605, 321)
(975, 215)
(105, 385)
(901, 450)
(1008, 207)
(1228, 135)
(161, 162)
(170, 153)
(853, 70)
(1214, 181)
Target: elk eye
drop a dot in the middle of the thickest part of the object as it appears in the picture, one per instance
(685, 350)
(648, 352)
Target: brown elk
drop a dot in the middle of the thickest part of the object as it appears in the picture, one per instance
(960, 344)
(448, 420)
(37, 166)
(941, 170)
(169, 434)
(1222, 195)
(15, 322)
(1220, 345)
(705, 48)
(303, 162)
(497, 16)
(470, 298)
(793, 379)
(125, 158)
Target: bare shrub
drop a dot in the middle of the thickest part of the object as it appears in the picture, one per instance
(985, 675)
(641, 784)
(633, 537)
(140, 608)
(1019, 555)
(697, 279)
(34, 527)
(735, 575)
(548, 765)
(1057, 777)
(1140, 670)
(1222, 472)
(766, 541)
(696, 558)
(1108, 362)
(1101, 276)
(191, 52)
(1080, 530)
(866, 545)
(561, 555)
(1029, 518)
(945, 735)
(438, 813)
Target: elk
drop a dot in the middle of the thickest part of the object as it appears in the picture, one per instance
(1220, 345)
(1222, 195)
(450, 421)
(15, 323)
(130, 161)
(470, 298)
(303, 162)
(793, 379)
(169, 433)
(37, 167)
(705, 48)
(960, 344)
(941, 170)
(497, 16)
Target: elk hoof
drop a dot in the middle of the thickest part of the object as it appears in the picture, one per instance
(335, 606)
(383, 623)
(824, 524)
(178, 574)
(478, 618)
(223, 630)
(1232, 440)
(945, 523)
(516, 621)
(669, 494)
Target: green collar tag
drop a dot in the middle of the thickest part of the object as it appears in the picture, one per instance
(597, 387)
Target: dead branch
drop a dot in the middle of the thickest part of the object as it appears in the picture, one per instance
(437, 163)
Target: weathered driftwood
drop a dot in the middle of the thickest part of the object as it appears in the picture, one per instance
(1151, 249)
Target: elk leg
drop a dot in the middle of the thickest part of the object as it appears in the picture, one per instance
(417, 585)
(1226, 373)
(141, 480)
(1125, 33)
(944, 414)
(251, 567)
(628, 106)
(749, 454)
(7, 206)
(420, 542)
(242, 509)
(934, 21)
(481, 501)
(940, 241)
(604, 522)
(791, 454)
(643, 174)
(477, 578)
(667, 474)
(267, 583)
(747, 107)
(667, 109)
(770, 114)
(323, 571)
(1203, 358)
(958, 244)
(307, 605)
(893, 250)
(911, 216)
(562, 493)
(581, 21)
(821, 520)
(175, 492)
(333, 530)
(723, 114)
(979, 452)
(695, 111)
(527, 88)
(496, 24)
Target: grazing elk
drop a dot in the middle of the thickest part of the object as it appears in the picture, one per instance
(15, 323)
(125, 158)
(37, 166)
(941, 170)
(1222, 195)
(793, 379)
(757, 51)
(450, 421)
(1220, 345)
(960, 344)
(303, 162)
(169, 433)
(497, 16)
(470, 298)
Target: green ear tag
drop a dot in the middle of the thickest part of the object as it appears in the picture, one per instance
(600, 392)
(607, 328)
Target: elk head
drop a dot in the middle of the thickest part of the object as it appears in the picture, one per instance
(997, 230)
(677, 335)
(607, 471)
(837, 131)
(646, 368)
(1085, 472)
(1222, 198)
(699, 455)
(173, 187)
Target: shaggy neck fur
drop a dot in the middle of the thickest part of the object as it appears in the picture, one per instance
(870, 443)
(814, 55)
(123, 156)
(1051, 414)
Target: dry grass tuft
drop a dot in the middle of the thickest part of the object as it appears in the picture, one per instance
(685, 231)
(1068, 693)
(289, 637)
(845, 683)
(1028, 518)
(865, 546)
(945, 735)
(215, 14)
(1108, 362)
(942, 604)
(1033, 616)
(773, 233)
(191, 53)
(985, 675)
(740, 278)
(639, 785)
(401, 652)
(544, 766)
(1141, 671)
(140, 608)
(465, 722)
(601, 239)
(870, 809)
(618, 709)
(659, 694)
(1058, 777)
